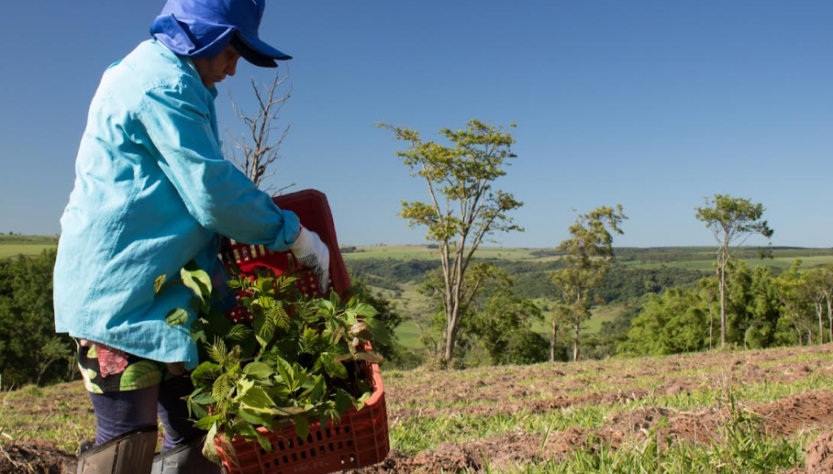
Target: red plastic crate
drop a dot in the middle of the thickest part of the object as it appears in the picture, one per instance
(361, 437)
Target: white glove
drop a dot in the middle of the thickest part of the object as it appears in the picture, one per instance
(312, 253)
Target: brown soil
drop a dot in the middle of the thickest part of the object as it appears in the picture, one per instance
(34, 457)
(541, 389)
(783, 418)
(507, 390)
(820, 455)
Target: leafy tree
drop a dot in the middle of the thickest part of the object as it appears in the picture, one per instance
(814, 290)
(479, 279)
(732, 221)
(670, 323)
(739, 301)
(30, 351)
(827, 288)
(499, 320)
(464, 209)
(587, 258)
(794, 306)
(525, 346)
(764, 308)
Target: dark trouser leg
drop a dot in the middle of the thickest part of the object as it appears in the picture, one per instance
(173, 411)
(117, 413)
(182, 449)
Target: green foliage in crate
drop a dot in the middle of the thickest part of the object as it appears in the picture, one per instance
(298, 360)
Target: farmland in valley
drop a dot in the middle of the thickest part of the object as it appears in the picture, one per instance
(406, 266)
(27, 245)
(396, 271)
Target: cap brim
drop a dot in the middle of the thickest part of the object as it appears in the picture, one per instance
(255, 51)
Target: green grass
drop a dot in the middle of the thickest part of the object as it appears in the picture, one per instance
(55, 414)
(743, 452)
(420, 433)
(592, 326)
(408, 334)
(8, 250)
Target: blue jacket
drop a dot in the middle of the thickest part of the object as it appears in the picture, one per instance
(152, 192)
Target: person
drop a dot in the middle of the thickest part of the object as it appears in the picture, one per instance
(153, 193)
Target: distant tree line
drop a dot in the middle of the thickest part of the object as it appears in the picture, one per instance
(350, 249)
(762, 310)
(17, 238)
(530, 279)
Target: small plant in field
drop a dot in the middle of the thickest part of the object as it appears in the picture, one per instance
(297, 360)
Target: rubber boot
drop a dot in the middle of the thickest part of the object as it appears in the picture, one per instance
(130, 453)
(185, 459)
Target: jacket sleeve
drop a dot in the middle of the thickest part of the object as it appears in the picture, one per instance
(217, 194)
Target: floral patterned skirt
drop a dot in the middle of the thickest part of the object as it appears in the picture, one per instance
(106, 369)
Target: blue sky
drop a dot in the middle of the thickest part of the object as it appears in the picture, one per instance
(651, 104)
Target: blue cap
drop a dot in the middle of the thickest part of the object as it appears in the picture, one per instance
(203, 28)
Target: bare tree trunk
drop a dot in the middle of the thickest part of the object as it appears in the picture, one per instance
(830, 316)
(722, 287)
(575, 340)
(819, 311)
(553, 337)
(449, 271)
(722, 260)
(451, 332)
(711, 325)
(456, 290)
(449, 342)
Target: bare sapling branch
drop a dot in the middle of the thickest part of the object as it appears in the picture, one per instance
(256, 150)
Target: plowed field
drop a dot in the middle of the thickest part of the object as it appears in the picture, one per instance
(731, 412)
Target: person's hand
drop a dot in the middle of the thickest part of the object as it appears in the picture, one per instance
(312, 253)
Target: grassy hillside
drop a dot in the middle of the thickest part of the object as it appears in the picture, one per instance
(400, 285)
(27, 245)
(27, 250)
(417, 308)
(722, 412)
(696, 258)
